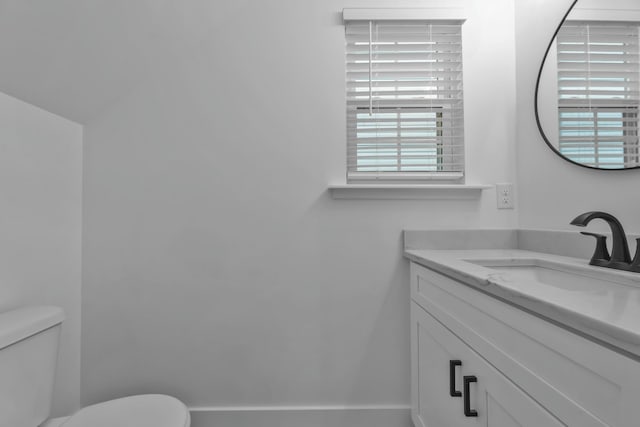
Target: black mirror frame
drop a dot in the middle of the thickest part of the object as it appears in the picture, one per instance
(544, 135)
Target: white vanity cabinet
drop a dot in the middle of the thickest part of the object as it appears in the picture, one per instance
(528, 371)
(492, 400)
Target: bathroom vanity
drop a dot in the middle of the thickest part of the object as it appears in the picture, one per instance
(513, 337)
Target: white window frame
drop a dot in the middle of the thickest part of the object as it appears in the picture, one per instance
(598, 120)
(434, 16)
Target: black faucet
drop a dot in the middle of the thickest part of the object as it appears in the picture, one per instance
(620, 258)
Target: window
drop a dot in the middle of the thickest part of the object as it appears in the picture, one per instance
(404, 100)
(598, 75)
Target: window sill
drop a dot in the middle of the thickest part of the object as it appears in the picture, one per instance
(407, 191)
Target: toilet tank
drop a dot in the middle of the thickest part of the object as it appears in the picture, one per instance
(28, 355)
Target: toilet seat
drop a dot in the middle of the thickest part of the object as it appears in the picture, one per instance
(147, 410)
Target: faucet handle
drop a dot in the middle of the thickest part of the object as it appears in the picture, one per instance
(635, 264)
(601, 253)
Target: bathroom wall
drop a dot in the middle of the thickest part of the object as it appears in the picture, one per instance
(552, 191)
(216, 267)
(40, 225)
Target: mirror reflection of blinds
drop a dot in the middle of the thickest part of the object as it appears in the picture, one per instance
(599, 93)
(404, 100)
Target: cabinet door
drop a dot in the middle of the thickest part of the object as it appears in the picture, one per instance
(432, 405)
(497, 401)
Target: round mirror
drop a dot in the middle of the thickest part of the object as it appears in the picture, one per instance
(588, 90)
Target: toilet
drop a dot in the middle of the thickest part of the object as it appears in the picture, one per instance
(28, 356)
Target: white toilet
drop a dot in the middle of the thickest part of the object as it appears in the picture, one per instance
(28, 353)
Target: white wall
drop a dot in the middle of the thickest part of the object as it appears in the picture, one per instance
(40, 225)
(553, 191)
(216, 266)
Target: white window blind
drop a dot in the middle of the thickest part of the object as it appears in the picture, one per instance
(404, 100)
(599, 93)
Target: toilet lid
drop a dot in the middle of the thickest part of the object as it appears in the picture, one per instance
(148, 410)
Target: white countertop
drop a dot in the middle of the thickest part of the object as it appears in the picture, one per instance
(608, 314)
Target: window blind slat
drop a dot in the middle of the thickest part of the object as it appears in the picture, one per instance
(582, 83)
(594, 92)
(357, 72)
(567, 74)
(383, 49)
(582, 59)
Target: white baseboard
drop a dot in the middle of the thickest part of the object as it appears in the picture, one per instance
(302, 416)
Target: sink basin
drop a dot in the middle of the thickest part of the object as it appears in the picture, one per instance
(557, 275)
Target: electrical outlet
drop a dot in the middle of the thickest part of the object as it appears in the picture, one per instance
(504, 195)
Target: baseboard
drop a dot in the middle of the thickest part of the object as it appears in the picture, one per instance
(302, 416)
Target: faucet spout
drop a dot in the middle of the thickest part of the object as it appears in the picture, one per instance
(620, 249)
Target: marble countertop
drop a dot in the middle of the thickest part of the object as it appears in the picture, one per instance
(605, 307)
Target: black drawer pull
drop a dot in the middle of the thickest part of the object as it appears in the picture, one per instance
(466, 380)
(452, 378)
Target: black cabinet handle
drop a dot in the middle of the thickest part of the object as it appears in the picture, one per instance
(466, 380)
(452, 378)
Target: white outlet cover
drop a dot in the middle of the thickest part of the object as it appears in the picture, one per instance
(504, 196)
